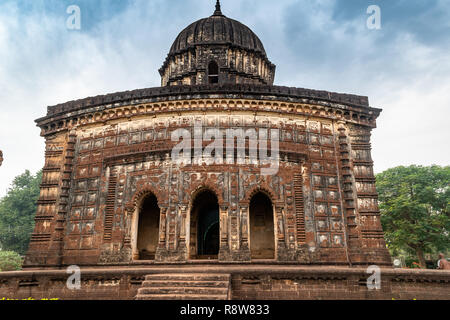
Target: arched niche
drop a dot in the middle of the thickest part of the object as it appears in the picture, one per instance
(262, 230)
(146, 223)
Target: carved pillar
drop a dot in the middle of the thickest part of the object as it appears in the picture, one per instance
(172, 244)
(161, 251)
(234, 232)
(244, 227)
(129, 225)
(182, 247)
(172, 229)
(224, 251)
(245, 233)
(280, 232)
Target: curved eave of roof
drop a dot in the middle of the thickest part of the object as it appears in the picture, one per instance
(228, 91)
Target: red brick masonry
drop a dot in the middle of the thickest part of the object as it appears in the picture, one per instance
(260, 282)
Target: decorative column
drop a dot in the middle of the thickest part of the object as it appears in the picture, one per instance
(245, 254)
(161, 251)
(169, 248)
(281, 239)
(182, 248)
(234, 233)
(224, 251)
(172, 229)
(127, 245)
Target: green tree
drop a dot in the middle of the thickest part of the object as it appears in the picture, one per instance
(10, 261)
(415, 209)
(17, 211)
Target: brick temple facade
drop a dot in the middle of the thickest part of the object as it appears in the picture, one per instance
(112, 194)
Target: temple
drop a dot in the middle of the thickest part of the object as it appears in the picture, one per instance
(112, 196)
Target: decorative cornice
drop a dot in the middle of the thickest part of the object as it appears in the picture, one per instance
(281, 101)
(196, 92)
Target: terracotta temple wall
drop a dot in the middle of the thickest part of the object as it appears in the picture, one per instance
(101, 163)
(247, 283)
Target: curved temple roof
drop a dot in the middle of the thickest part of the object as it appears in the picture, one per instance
(217, 29)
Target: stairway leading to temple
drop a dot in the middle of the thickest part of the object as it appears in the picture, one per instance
(185, 286)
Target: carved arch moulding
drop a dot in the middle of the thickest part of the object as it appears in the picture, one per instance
(144, 188)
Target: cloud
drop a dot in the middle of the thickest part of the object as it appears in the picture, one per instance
(426, 21)
(403, 68)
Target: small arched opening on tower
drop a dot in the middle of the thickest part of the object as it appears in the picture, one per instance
(217, 49)
(213, 73)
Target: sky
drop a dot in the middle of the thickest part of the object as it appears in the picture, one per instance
(403, 67)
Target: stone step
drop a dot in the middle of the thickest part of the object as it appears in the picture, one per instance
(189, 277)
(187, 284)
(183, 290)
(181, 297)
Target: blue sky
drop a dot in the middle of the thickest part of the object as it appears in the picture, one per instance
(404, 68)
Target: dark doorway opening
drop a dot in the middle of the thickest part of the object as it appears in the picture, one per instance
(148, 228)
(262, 237)
(205, 226)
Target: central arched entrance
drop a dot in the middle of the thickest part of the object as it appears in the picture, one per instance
(262, 236)
(204, 226)
(148, 228)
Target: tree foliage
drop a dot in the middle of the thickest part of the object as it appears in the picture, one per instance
(10, 261)
(415, 209)
(17, 211)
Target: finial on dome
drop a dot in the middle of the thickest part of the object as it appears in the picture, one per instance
(218, 11)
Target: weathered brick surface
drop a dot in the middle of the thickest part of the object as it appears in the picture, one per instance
(105, 155)
(248, 282)
(97, 173)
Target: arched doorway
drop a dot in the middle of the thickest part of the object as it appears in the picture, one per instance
(262, 237)
(148, 228)
(204, 226)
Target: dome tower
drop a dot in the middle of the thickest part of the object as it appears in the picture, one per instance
(217, 50)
